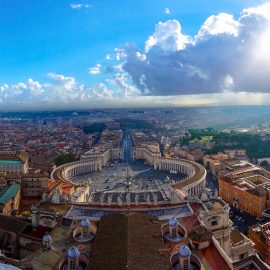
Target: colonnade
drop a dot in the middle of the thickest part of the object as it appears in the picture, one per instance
(177, 166)
(196, 173)
(192, 184)
(81, 168)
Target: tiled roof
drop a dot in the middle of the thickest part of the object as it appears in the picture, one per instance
(129, 242)
(12, 224)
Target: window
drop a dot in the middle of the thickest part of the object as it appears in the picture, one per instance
(214, 223)
(242, 256)
(186, 264)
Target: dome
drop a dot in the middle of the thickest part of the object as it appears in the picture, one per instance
(47, 238)
(73, 252)
(173, 222)
(8, 267)
(184, 251)
(85, 223)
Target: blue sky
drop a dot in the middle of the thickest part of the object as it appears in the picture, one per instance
(42, 40)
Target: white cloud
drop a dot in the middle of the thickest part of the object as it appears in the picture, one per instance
(126, 89)
(141, 56)
(95, 70)
(167, 11)
(167, 36)
(64, 92)
(79, 5)
(263, 10)
(227, 54)
(222, 23)
(101, 91)
(226, 62)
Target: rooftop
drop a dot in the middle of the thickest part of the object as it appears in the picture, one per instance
(211, 258)
(136, 238)
(236, 237)
(200, 234)
(61, 241)
(8, 193)
(12, 224)
(214, 204)
(62, 209)
(10, 161)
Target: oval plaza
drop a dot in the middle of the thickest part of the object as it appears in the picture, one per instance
(125, 174)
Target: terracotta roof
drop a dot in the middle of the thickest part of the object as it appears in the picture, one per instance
(129, 242)
(211, 258)
(191, 222)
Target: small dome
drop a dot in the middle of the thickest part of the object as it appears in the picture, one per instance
(47, 238)
(73, 252)
(33, 209)
(173, 222)
(85, 223)
(184, 251)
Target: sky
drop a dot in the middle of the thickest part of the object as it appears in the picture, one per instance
(124, 53)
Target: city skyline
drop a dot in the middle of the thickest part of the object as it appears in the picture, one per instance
(92, 54)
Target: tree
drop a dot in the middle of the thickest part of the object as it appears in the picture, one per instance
(64, 158)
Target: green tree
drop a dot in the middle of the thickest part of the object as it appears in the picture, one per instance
(64, 158)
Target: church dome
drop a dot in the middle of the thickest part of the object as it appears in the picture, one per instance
(47, 238)
(173, 222)
(184, 251)
(73, 252)
(85, 223)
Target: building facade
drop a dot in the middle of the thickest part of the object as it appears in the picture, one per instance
(260, 235)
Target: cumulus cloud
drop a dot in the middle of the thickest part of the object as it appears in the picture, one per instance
(167, 36)
(226, 54)
(126, 89)
(219, 24)
(58, 89)
(95, 70)
(64, 92)
(101, 91)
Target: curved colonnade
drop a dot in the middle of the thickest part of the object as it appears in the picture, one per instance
(67, 171)
(191, 185)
